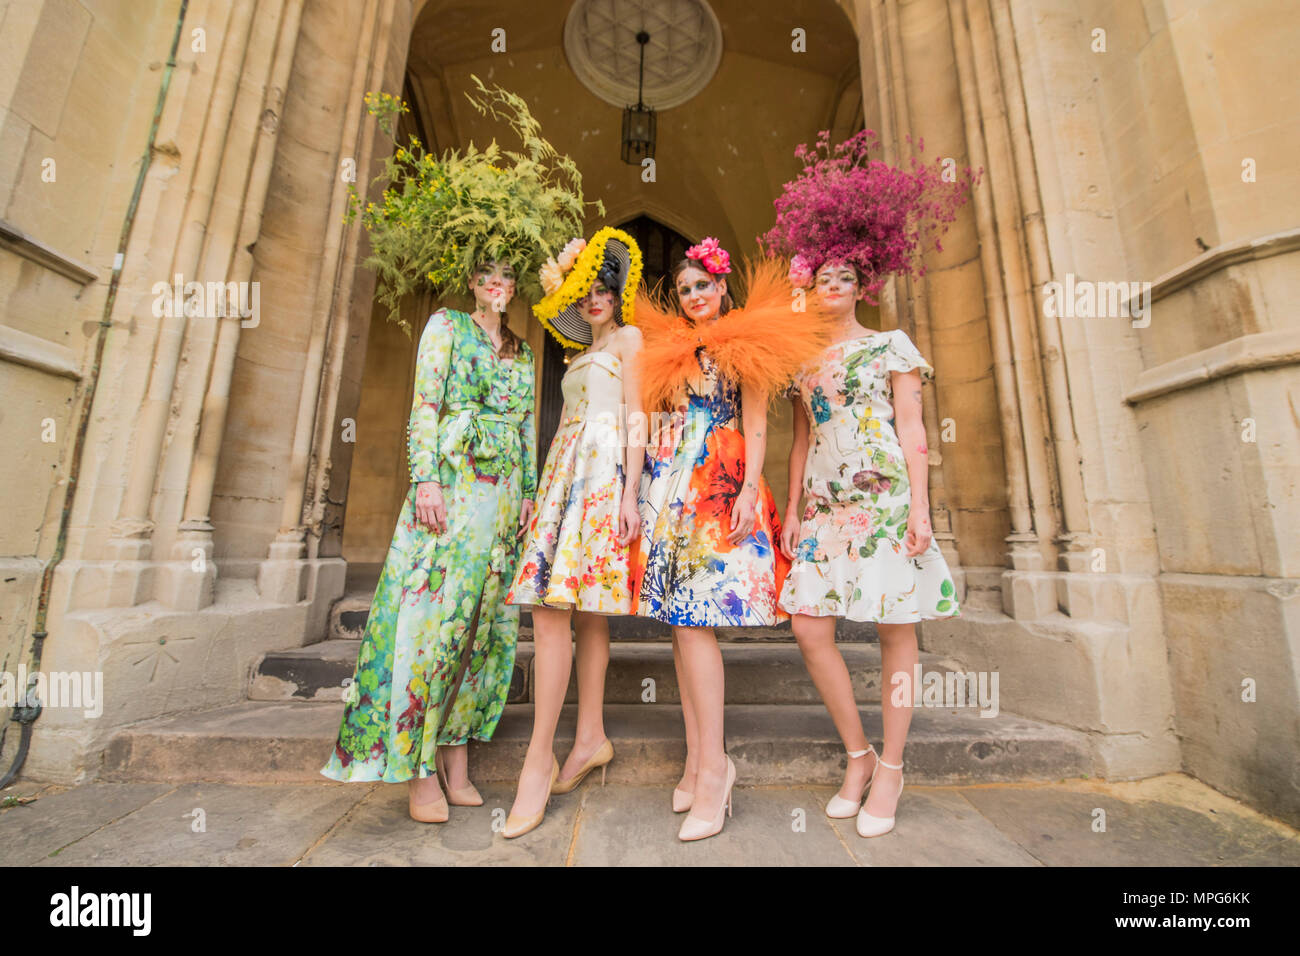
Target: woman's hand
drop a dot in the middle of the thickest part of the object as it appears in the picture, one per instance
(790, 532)
(919, 531)
(525, 517)
(430, 509)
(629, 520)
(743, 514)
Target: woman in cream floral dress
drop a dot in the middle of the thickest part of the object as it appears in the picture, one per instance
(863, 547)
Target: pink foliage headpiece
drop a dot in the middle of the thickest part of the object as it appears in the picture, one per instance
(846, 207)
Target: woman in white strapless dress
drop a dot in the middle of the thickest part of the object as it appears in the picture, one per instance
(574, 565)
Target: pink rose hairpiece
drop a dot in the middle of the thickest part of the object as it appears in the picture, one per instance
(711, 255)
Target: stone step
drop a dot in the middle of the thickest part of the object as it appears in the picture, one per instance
(348, 617)
(284, 742)
(639, 672)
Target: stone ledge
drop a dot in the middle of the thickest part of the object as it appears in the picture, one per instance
(258, 742)
(1247, 353)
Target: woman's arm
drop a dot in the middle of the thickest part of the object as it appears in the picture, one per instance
(628, 346)
(910, 428)
(753, 415)
(798, 462)
(433, 363)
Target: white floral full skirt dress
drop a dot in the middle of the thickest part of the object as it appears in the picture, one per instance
(851, 560)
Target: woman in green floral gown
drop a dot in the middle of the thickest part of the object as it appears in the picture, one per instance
(472, 443)
(435, 664)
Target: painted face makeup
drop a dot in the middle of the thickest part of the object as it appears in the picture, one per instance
(494, 285)
(837, 286)
(598, 304)
(699, 293)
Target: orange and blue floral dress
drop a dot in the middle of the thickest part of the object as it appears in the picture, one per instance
(687, 573)
(472, 429)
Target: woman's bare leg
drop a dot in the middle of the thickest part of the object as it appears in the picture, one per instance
(592, 631)
(826, 667)
(553, 657)
(898, 654)
(687, 783)
(701, 666)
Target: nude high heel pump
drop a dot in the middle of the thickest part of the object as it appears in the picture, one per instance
(840, 809)
(466, 796)
(695, 828)
(436, 812)
(682, 800)
(600, 758)
(518, 826)
(869, 826)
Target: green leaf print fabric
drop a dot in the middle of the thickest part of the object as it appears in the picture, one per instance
(472, 429)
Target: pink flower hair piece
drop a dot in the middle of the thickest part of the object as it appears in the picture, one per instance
(711, 255)
(801, 272)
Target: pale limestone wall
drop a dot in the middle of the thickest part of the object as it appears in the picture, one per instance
(119, 605)
(1143, 149)
(971, 479)
(87, 115)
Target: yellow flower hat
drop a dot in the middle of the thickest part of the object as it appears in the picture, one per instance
(559, 312)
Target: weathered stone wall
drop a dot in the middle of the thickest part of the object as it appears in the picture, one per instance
(1188, 422)
(72, 131)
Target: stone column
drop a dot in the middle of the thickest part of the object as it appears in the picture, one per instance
(181, 584)
(1003, 373)
(1077, 537)
(905, 302)
(131, 545)
(283, 576)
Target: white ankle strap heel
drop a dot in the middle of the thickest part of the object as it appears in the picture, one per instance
(837, 808)
(871, 826)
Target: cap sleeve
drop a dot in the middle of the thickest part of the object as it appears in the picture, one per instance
(902, 356)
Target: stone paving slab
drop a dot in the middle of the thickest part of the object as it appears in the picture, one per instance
(235, 825)
(378, 832)
(635, 826)
(1166, 821)
(935, 827)
(1171, 820)
(30, 833)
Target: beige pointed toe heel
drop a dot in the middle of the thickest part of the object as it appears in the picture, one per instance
(601, 758)
(518, 826)
(435, 812)
(465, 796)
(697, 828)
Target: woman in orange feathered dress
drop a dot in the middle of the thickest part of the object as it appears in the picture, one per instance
(710, 552)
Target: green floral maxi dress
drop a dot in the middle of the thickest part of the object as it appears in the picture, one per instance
(472, 429)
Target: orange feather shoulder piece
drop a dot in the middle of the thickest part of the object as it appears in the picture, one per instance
(762, 344)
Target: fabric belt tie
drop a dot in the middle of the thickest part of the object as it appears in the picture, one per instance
(469, 429)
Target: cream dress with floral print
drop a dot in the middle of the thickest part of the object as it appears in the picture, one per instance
(571, 557)
(850, 559)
